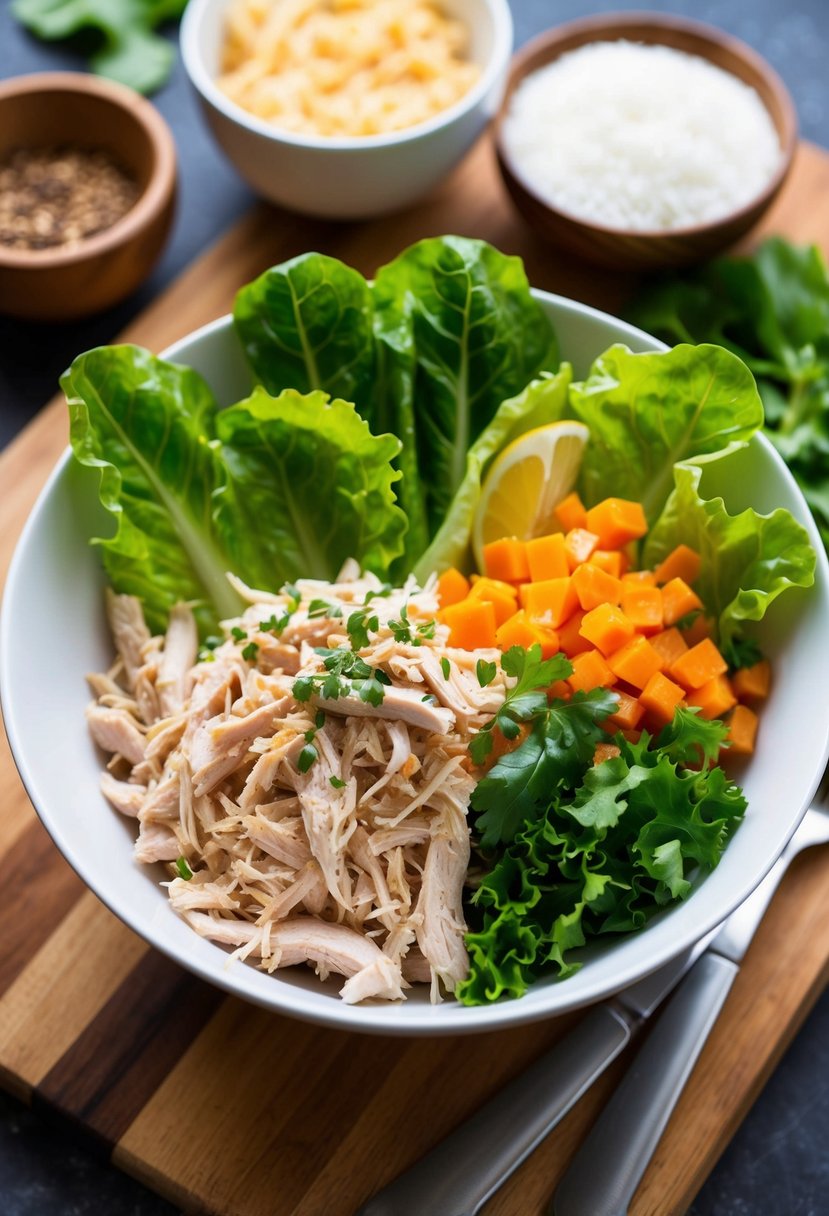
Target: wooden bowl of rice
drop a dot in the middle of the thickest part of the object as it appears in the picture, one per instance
(636, 186)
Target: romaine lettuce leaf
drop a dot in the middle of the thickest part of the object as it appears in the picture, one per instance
(542, 401)
(307, 485)
(647, 411)
(747, 559)
(477, 337)
(145, 424)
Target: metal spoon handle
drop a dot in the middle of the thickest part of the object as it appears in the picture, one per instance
(461, 1172)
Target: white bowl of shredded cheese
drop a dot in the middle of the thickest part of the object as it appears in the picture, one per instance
(346, 109)
(640, 141)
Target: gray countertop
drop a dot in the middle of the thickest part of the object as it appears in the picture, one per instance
(777, 1164)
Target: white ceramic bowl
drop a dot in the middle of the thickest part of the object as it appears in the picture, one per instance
(349, 178)
(54, 593)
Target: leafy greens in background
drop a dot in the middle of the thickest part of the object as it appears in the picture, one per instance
(127, 48)
(428, 351)
(195, 493)
(772, 309)
(612, 844)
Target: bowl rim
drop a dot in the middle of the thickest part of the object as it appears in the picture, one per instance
(426, 1020)
(612, 27)
(150, 203)
(205, 85)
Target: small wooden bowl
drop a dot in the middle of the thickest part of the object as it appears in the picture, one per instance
(53, 109)
(647, 250)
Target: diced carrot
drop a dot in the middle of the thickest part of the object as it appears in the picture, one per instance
(546, 557)
(660, 697)
(569, 635)
(678, 600)
(682, 562)
(632, 736)
(617, 521)
(627, 713)
(643, 606)
(590, 671)
(502, 596)
(701, 627)
(612, 561)
(742, 730)
(714, 698)
(669, 644)
(452, 587)
(579, 545)
(752, 683)
(594, 587)
(635, 662)
(559, 690)
(605, 751)
(519, 630)
(506, 559)
(550, 602)
(698, 665)
(640, 577)
(607, 628)
(501, 745)
(471, 624)
(570, 512)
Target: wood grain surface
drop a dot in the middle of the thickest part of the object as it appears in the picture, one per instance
(227, 1109)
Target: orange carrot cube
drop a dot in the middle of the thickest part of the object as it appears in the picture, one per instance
(607, 628)
(590, 671)
(605, 751)
(452, 587)
(617, 521)
(571, 513)
(612, 561)
(682, 562)
(471, 624)
(506, 559)
(502, 596)
(752, 683)
(700, 628)
(627, 714)
(640, 577)
(660, 697)
(546, 557)
(742, 731)
(570, 638)
(714, 698)
(594, 587)
(698, 665)
(643, 606)
(519, 630)
(559, 690)
(550, 602)
(579, 545)
(678, 600)
(635, 662)
(669, 645)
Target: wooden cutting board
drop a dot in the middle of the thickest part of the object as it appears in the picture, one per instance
(226, 1109)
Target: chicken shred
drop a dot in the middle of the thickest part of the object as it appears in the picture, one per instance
(323, 829)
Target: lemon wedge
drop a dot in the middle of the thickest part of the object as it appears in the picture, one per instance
(526, 482)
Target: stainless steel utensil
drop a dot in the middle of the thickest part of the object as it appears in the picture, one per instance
(609, 1165)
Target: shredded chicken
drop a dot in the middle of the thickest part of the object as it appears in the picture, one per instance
(325, 823)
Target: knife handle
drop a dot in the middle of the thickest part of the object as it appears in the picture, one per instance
(606, 1171)
(461, 1172)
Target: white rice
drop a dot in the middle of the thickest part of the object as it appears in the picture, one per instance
(640, 137)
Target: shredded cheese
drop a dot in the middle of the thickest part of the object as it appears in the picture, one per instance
(640, 137)
(344, 67)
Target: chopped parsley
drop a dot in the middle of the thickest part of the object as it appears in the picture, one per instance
(358, 626)
(485, 672)
(238, 634)
(322, 608)
(275, 624)
(344, 673)
(182, 869)
(337, 783)
(445, 667)
(402, 629)
(250, 652)
(306, 757)
(293, 594)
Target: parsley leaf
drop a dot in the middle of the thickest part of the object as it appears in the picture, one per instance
(306, 757)
(337, 783)
(358, 626)
(250, 652)
(322, 608)
(238, 634)
(526, 699)
(741, 652)
(445, 667)
(485, 672)
(183, 869)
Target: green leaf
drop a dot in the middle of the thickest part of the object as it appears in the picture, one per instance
(747, 559)
(541, 402)
(307, 486)
(145, 425)
(127, 50)
(464, 334)
(647, 411)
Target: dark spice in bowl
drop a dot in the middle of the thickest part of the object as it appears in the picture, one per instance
(60, 196)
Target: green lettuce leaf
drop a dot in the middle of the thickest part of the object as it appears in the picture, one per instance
(747, 559)
(542, 401)
(772, 309)
(647, 411)
(307, 485)
(145, 424)
(466, 335)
